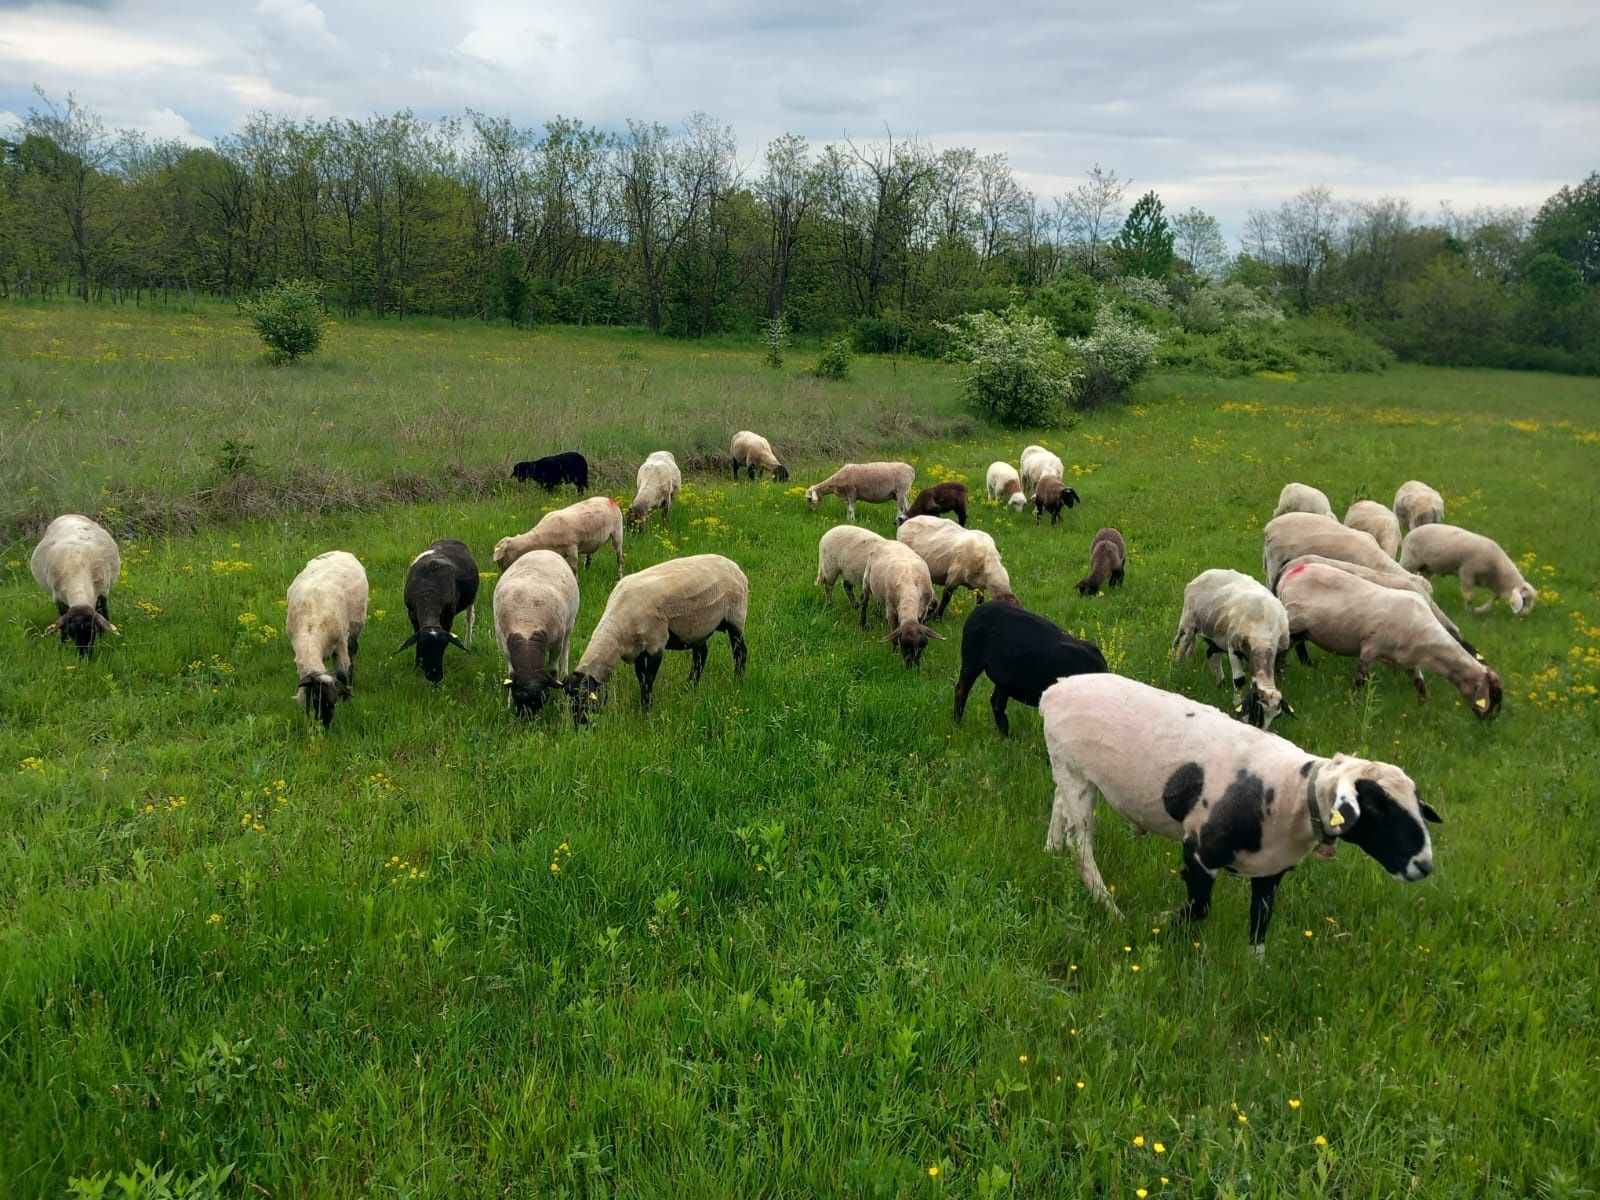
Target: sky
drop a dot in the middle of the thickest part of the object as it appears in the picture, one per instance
(1223, 105)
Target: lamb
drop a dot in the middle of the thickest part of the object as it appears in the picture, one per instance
(1401, 580)
(1108, 554)
(1380, 523)
(875, 482)
(898, 578)
(957, 557)
(553, 470)
(1302, 498)
(1347, 615)
(1038, 463)
(1238, 617)
(535, 606)
(675, 605)
(753, 452)
(658, 482)
(327, 609)
(1450, 550)
(1296, 533)
(1051, 496)
(580, 528)
(1237, 797)
(842, 552)
(1004, 484)
(441, 582)
(77, 561)
(1417, 504)
(936, 499)
(1023, 653)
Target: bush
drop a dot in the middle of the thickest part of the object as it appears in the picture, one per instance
(1143, 289)
(1018, 372)
(1115, 356)
(1069, 303)
(289, 317)
(895, 333)
(834, 361)
(777, 339)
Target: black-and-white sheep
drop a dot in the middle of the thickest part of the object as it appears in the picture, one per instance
(441, 584)
(1022, 653)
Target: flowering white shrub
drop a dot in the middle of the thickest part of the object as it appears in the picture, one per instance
(1214, 305)
(1115, 356)
(1017, 373)
(1143, 288)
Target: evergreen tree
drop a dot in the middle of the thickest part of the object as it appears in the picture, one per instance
(1144, 247)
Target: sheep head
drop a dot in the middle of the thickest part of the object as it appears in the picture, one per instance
(528, 696)
(1377, 807)
(813, 498)
(1484, 692)
(81, 625)
(318, 693)
(431, 643)
(583, 693)
(911, 639)
(780, 474)
(1522, 599)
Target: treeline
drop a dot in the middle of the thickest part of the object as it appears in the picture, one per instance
(669, 228)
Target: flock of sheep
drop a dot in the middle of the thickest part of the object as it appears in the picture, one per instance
(1236, 796)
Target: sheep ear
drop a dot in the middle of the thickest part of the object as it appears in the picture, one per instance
(1346, 808)
(459, 644)
(1284, 710)
(50, 628)
(936, 635)
(409, 642)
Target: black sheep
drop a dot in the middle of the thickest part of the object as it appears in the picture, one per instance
(441, 582)
(1022, 653)
(936, 500)
(553, 470)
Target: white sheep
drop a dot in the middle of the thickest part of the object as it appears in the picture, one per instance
(1302, 498)
(957, 557)
(1417, 504)
(77, 561)
(1005, 485)
(1296, 533)
(897, 578)
(874, 482)
(1237, 797)
(1366, 621)
(1478, 561)
(535, 606)
(580, 528)
(1039, 463)
(327, 610)
(675, 605)
(754, 453)
(1377, 522)
(1237, 616)
(1401, 580)
(658, 483)
(842, 553)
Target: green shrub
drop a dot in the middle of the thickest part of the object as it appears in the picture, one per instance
(289, 317)
(1070, 303)
(895, 333)
(834, 361)
(1118, 354)
(777, 339)
(1018, 371)
(1322, 345)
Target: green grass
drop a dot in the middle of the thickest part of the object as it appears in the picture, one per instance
(804, 939)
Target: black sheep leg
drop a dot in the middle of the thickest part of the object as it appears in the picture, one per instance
(964, 684)
(697, 661)
(997, 704)
(741, 652)
(1262, 890)
(1199, 881)
(645, 667)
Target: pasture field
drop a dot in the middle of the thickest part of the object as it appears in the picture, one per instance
(790, 936)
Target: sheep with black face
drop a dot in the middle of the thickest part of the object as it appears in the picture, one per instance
(327, 605)
(441, 583)
(1237, 797)
(77, 561)
(535, 606)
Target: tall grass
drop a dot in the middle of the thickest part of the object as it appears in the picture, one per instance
(791, 935)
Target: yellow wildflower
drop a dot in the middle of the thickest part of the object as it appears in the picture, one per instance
(1321, 1141)
(1138, 1139)
(1160, 1148)
(1141, 1193)
(1294, 1104)
(933, 1172)
(214, 919)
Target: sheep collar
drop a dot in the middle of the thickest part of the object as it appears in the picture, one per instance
(1325, 837)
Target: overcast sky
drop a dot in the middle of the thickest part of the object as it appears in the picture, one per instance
(1224, 105)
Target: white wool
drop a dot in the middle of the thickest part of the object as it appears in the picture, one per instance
(1438, 549)
(580, 528)
(1302, 498)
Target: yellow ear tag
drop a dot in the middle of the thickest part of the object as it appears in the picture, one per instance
(594, 695)
(506, 682)
(1480, 703)
(1337, 819)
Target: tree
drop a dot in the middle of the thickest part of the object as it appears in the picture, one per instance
(1568, 225)
(1091, 212)
(1198, 241)
(787, 190)
(1295, 240)
(69, 152)
(1144, 246)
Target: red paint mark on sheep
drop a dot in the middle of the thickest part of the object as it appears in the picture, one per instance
(1293, 571)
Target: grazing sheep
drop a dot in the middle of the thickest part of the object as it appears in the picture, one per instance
(327, 609)
(1297, 533)
(441, 582)
(1302, 498)
(1023, 653)
(1038, 463)
(675, 605)
(1372, 623)
(936, 499)
(1374, 519)
(957, 557)
(1004, 484)
(658, 482)
(898, 579)
(1238, 617)
(754, 453)
(1401, 580)
(553, 470)
(77, 561)
(875, 482)
(1108, 554)
(1051, 496)
(1417, 504)
(535, 605)
(842, 553)
(1450, 550)
(1237, 797)
(580, 528)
